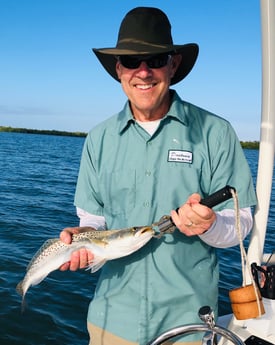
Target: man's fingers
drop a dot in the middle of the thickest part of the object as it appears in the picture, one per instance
(83, 258)
(65, 266)
(80, 258)
(67, 233)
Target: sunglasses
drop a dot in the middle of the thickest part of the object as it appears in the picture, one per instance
(152, 61)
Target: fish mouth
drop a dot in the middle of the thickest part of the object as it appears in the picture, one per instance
(144, 230)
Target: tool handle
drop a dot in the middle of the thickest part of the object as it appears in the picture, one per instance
(166, 224)
(218, 197)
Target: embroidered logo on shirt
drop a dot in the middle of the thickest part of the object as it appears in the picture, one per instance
(180, 156)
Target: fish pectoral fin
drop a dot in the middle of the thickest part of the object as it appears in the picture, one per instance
(96, 264)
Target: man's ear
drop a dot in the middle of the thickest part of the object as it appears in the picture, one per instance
(176, 60)
(118, 69)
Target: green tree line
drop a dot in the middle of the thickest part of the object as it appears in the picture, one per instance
(245, 144)
(42, 131)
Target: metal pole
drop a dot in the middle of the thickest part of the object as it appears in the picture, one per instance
(267, 141)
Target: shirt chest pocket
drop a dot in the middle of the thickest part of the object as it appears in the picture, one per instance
(177, 183)
(118, 191)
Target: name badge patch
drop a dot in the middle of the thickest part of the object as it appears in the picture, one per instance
(180, 156)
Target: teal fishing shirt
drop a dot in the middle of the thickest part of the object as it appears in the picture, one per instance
(132, 179)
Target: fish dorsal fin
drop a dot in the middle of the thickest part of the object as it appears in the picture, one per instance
(44, 246)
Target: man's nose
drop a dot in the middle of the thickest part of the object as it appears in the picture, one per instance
(144, 69)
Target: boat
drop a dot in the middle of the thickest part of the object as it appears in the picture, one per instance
(263, 327)
(257, 330)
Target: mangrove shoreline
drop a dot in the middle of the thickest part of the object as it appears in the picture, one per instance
(254, 145)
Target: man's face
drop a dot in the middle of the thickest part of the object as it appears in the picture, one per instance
(147, 88)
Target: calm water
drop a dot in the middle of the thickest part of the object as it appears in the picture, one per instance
(38, 176)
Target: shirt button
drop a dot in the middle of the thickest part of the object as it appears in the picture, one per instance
(148, 173)
(146, 204)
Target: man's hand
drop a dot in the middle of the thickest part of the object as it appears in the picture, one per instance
(79, 259)
(192, 218)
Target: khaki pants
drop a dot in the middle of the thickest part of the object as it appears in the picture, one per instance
(100, 337)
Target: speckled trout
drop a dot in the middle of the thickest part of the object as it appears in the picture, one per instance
(105, 245)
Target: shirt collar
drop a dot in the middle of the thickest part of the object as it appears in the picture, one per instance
(125, 117)
(176, 110)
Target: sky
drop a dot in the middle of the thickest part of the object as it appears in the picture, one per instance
(51, 79)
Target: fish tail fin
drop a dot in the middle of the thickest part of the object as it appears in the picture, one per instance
(23, 305)
(20, 291)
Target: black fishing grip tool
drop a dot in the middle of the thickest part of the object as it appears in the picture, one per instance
(166, 225)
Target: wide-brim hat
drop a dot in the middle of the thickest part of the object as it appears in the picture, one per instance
(147, 31)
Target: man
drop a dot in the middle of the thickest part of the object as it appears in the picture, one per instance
(158, 153)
